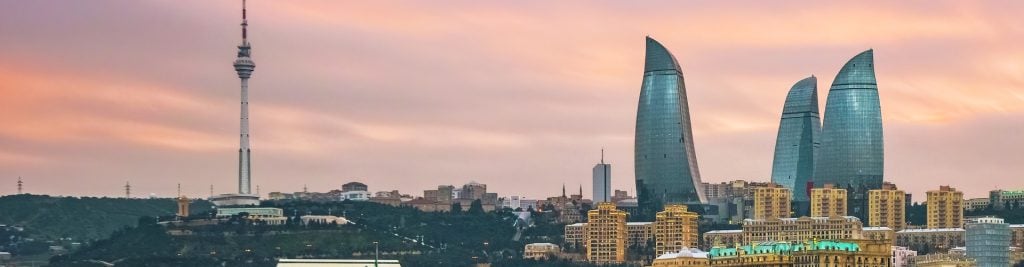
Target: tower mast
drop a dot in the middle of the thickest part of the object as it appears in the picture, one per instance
(19, 185)
(244, 66)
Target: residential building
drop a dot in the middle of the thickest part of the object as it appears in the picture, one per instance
(356, 195)
(804, 254)
(901, 256)
(540, 251)
(675, 228)
(722, 238)
(927, 241)
(605, 234)
(942, 260)
(665, 159)
(879, 233)
(354, 186)
(620, 195)
(887, 207)
(1003, 199)
(977, 203)
(945, 208)
(1017, 235)
(828, 201)
(637, 234)
(800, 229)
(798, 139)
(772, 201)
(988, 242)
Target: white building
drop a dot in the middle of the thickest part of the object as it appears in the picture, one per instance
(356, 195)
(539, 251)
(323, 219)
(335, 263)
(901, 256)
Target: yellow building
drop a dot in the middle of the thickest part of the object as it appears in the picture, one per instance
(801, 229)
(675, 228)
(828, 201)
(887, 207)
(772, 201)
(942, 260)
(605, 235)
(183, 203)
(831, 253)
(639, 233)
(879, 233)
(945, 208)
(718, 238)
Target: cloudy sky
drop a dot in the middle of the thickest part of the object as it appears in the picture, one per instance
(521, 96)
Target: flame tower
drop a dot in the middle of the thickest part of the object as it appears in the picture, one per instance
(244, 66)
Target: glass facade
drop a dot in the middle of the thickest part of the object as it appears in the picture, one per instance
(797, 141)
(665, 161)
(851, 137)
(988, 242)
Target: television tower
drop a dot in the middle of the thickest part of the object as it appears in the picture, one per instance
(244, 67)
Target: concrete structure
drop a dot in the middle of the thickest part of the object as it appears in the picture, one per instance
(356, 195)
(1001, 198)
(721, 238)
(879, 233)
(988, 242)
(798, 139)
(927, 241)
(602, 183)
(675, 228)
(665, 159)
(801, 229)
(685, 257)
(1017, 235)
(945, 208)
(804, 254)
(851, 151)
(639, 234)
(540, 251)
(772, 201)
(354, 186)
(977, 203)
(336, 263)
(828, 201)
(605, 234)
(887, 207)
(901, 256)
(253, 212)
(942, 260)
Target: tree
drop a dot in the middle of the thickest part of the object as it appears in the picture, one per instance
(476, 208)
(456, 208)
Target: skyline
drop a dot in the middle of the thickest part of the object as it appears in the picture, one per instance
(154, 98)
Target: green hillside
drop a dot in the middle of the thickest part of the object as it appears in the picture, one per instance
(86, 218)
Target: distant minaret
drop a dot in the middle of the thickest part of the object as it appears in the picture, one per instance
(244, 66)
(127, 190)
(19, 185)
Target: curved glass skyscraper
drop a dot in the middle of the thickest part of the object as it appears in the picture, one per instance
(798, 139)
(665, 161)
(851, 136)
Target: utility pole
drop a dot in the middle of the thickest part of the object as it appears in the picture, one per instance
(376, 253)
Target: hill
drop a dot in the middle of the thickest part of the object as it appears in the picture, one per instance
(85, 218)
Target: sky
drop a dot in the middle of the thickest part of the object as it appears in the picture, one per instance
(521, 96)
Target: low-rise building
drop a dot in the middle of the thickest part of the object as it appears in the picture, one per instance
(539, 251)
(1017, 235)
(686, 257)
(927, 241)
(942, 260)
(879, 233)
(800, 229)
(323, 219)
(976, 203)
(722, 238)
(804, 254)
(901, 256)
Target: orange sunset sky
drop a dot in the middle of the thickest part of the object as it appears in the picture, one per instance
(520, 95)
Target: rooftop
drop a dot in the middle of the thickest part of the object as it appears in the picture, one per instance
(931, 230)
(725, 232)
(685, 253)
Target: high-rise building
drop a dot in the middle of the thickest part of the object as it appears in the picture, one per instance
(945, 208)
(665, 159)
(988, 242)
(828, 201)
(887, 207)
(675, 228)
(602, 181)
(772, 201)
(851, 152)
(605, 235)
(797, 141)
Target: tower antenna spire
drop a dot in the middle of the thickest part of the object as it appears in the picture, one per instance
(245, 23)
(19, 185)
(602, 155)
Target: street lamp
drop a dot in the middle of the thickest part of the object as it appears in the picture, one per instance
(376, 253)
